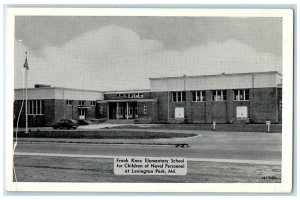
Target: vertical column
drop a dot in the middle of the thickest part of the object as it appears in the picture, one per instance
(168, 106)
(230, 109)
(251, 108)
(188, 107)
(208, 109)
(127, 110)
(251, 97)
(107, 110)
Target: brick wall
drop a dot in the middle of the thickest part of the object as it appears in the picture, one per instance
(35, 120)
(263, 104)
(199, 112)
(102, 110)
(162, 105)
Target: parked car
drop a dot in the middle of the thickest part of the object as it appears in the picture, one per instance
(84, 122)
(66, 123)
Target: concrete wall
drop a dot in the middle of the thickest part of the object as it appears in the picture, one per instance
(59, 93)
(216, 82)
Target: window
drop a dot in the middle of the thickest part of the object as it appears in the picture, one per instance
(81, 103)
(219, 95)
(280, 104)
(101, 109)
(241, 95)
(145, 109)
(35, 107)
(82, 111)
(198, 96)
(93, 103)
(69, 102)
(179, 96)
(133, 95)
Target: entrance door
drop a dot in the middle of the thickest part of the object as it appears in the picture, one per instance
(241, 112)
(179, 112)
(81, 113)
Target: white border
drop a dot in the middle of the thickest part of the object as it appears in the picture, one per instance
(286, 184)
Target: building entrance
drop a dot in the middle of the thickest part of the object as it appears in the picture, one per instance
(122, 110)
(81, 113)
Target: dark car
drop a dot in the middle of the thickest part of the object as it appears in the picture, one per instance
(84, 122)
(66, 123)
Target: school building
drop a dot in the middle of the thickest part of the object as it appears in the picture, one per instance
(223, 98)
(47, 105)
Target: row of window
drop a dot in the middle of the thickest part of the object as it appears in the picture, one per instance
(81, 103)
(35, 107)
(130, 95)
(217, 95)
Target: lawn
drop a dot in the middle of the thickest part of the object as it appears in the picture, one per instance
(103, 134)
(60, 169)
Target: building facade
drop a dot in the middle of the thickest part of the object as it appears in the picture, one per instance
(223, 98)
(47, 105)
(134, 105)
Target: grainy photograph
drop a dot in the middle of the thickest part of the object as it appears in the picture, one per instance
(147, 99)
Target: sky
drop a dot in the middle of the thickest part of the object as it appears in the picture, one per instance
(122, 53)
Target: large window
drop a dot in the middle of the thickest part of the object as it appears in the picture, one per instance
(35, 107)
(69, 102)
(130, 95)
(241, 95)
(93, 103)
(178, 96)
(82, 103)
(219, 95)
(198, 96)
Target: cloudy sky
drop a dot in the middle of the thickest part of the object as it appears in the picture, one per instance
(114, 53)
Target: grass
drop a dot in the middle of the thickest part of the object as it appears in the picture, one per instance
(103, 134)
(274, 128)
(59, 169)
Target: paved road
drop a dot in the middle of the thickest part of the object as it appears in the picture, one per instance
(212, 145)
(224, 156)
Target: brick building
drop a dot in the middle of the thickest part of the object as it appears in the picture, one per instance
(47, 105)
(223, 98)
(134, 105)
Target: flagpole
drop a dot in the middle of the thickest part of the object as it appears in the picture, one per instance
(26, 114)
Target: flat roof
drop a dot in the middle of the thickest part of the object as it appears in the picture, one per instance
(211, 75)
(126, 91)
(126, 100)
(42, 88)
